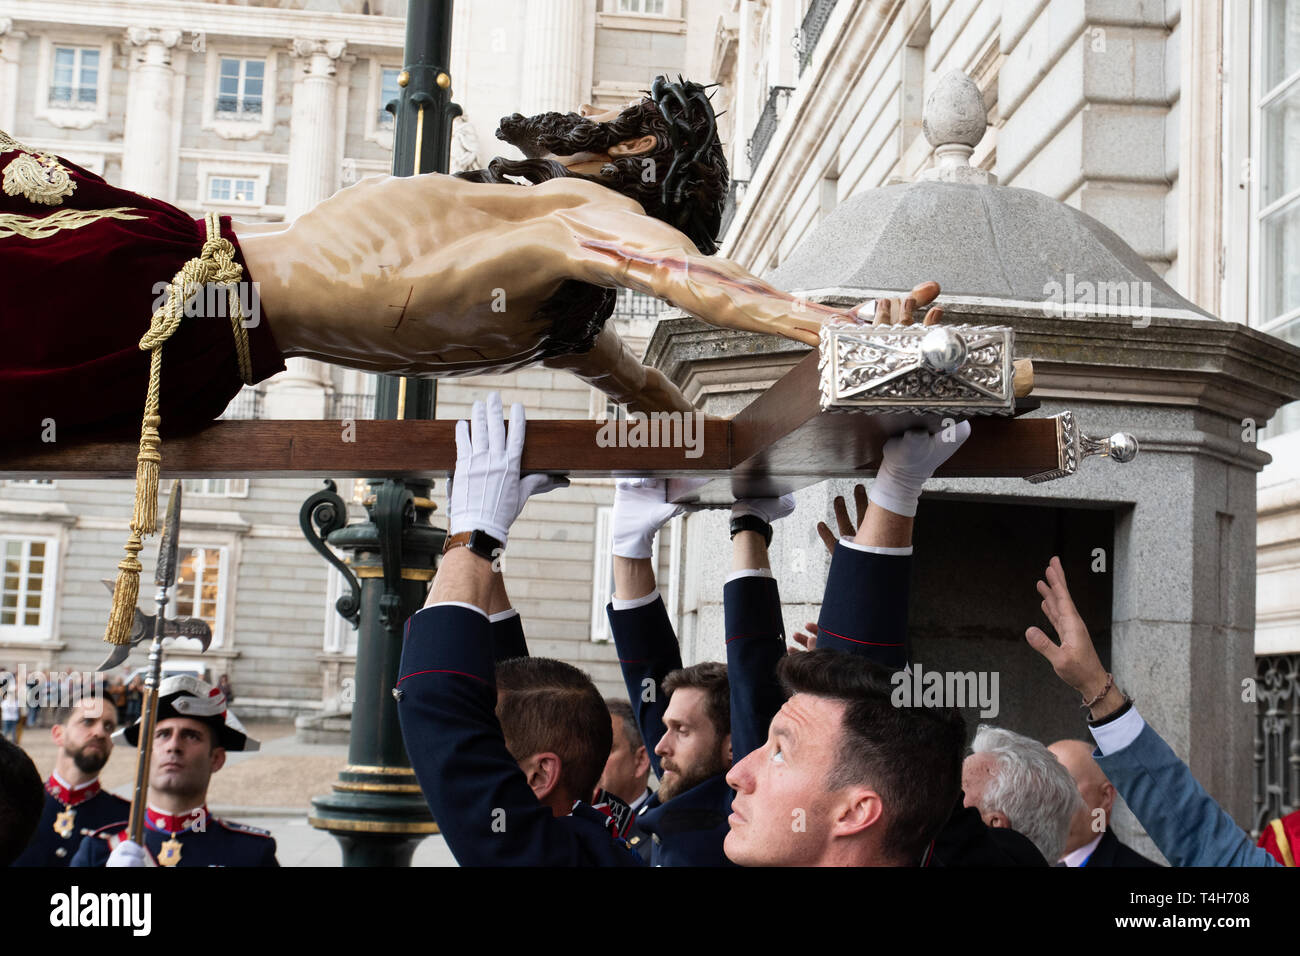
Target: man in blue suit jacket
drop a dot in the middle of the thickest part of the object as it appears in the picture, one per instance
(1184, 821)
(695, 720)
(508, 755)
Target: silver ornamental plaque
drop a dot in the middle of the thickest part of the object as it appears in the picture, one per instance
(958, 370)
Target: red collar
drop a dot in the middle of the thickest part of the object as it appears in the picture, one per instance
(71, 796)
(175, 823)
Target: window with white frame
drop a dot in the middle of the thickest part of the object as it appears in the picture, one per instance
(231, 189)
(1277, 211)
(216, 487)
(26, 586)
(388, 91)
(239, 88)
(75, 80)
(200, 587)
(650, 7)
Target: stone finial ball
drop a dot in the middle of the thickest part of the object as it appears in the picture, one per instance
(1123, 447)
(954, 111)
(943, 350)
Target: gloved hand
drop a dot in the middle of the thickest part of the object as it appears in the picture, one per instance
(640, 510)
(909, 460)
(488, 493)
(769, 509)
(127, 853)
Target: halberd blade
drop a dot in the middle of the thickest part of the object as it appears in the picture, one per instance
(169, 548)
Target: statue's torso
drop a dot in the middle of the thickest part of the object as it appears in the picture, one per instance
(429, 274)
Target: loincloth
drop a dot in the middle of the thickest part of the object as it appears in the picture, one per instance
(83, 271)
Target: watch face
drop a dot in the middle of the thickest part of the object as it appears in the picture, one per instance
(484, 545)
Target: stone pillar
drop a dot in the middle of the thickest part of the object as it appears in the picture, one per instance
(312, 129)
(302, 390)
(146, 140)
(11, 46)
(1200, 157)
(552, 68)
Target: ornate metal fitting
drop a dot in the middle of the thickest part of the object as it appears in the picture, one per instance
(956, 370)
(1072, 447)
(328, 513)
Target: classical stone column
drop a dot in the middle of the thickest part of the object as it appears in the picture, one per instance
(146, 140)
(11, 45)
(552, 68)
(312, 129)
(302, 390)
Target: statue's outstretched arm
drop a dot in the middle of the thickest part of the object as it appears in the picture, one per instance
(612, 244)
(611, 367)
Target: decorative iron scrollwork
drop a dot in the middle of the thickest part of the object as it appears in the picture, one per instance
(327, 512)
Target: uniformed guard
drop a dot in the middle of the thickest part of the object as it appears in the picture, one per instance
(193, 734)
(75, 804)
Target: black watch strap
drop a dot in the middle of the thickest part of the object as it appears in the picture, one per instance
(752, 523)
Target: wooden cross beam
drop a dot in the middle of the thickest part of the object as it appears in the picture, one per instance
(782, 441)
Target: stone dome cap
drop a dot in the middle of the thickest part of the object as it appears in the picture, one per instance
(986, 245)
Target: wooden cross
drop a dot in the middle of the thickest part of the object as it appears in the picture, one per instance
(828, 417)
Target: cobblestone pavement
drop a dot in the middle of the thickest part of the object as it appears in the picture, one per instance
(269, 788)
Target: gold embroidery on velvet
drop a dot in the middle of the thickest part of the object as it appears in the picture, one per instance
(39, 179)
(42, 227)
(8, 143)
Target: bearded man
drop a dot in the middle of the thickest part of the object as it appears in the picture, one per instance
(75, 804)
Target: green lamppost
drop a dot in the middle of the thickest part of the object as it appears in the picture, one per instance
(376, 810)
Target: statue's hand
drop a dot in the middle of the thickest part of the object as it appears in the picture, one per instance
(899, 310)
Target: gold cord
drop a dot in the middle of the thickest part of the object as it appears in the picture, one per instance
(214, 264)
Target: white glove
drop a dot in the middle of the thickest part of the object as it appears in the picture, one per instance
(909, 460)
(769, 509)
(641, 508)
(488, 493)
(127, 853)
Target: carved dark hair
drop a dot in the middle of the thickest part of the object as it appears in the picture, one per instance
(682, 181)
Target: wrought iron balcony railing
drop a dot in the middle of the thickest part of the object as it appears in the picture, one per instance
(767, 123)
(247, 404)
(810, 30)
(735, 193)
(359, 406)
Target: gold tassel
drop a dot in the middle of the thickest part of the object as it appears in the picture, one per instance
(126, 591)
(216, 263)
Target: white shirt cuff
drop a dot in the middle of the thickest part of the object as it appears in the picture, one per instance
(468, 607)
(627, 604)
(749, 573)
(503, 615)
(1119, 733)
(872, 549)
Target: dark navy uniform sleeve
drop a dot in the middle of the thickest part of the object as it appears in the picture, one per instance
(755, 645)
(485, 809)
(94, 849)
(508, 638)
(647, 652)
(864, 610)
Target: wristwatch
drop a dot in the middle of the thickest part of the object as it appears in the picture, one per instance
(480, 542)
(752, 523)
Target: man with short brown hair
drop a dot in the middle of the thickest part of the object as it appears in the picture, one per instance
(74, 802)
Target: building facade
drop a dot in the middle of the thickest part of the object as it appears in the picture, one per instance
(259, 111)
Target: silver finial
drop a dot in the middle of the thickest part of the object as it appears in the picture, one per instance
(943, 350)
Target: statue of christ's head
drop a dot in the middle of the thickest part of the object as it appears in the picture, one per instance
(661, 150)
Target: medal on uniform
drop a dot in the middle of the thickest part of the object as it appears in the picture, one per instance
(63, 822)
(170, 853)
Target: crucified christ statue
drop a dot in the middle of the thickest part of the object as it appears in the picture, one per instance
(485, 271)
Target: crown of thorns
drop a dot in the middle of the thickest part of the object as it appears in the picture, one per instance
(692, 131)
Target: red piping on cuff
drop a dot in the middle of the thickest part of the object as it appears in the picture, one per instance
(438, 671)
(855, 641)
